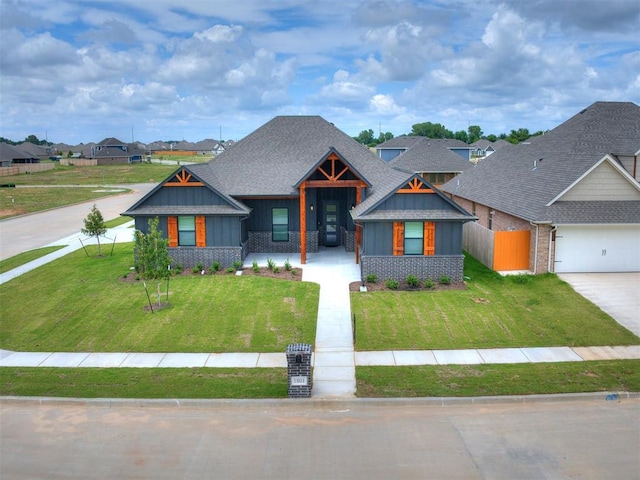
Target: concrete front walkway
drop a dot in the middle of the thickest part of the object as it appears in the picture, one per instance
(334, 372)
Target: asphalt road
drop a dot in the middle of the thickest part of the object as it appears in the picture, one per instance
(551, 439)
(37, 230)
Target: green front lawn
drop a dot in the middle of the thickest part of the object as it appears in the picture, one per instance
(492, 312)
(79, 304)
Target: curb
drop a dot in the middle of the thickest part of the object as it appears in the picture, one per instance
(320, 402)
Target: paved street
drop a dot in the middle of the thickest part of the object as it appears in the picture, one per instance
(586, 437)
(28, 232)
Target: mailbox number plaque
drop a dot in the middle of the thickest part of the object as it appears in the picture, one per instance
(299, 381)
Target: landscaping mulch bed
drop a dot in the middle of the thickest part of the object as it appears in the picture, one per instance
(293, 274)
(405, 287)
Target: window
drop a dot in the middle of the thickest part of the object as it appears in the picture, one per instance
(186, 231)
(414, 238)
(413, 235)
(436, 178)
(280, 224)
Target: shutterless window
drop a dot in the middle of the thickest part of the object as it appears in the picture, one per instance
(280, 224)
(413, 236)
(186, 231)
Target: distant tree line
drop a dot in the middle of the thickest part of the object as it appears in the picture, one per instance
(437, 130)
(31, 139)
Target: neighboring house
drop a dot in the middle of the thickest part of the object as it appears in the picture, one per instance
(484, 148)
(566, 201)
(10, 155)
(43, 152)
(296, 185)
(437, 160)
(114, 151)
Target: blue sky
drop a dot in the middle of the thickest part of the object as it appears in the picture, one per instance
(82, 70)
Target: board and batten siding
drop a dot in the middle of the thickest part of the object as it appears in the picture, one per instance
(191, 196)
(220, 231)
(420, 201)
(603, 183)
(377, 238)
(260, 218)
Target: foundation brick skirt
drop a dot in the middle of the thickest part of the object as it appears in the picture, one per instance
(397, 268)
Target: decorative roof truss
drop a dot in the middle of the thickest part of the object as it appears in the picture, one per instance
(183, 179)
(415, 185)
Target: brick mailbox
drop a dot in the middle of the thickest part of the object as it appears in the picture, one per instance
(299, 370)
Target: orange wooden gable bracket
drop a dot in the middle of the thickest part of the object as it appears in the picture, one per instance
(332, 177)
(183, 180)
(415, 186)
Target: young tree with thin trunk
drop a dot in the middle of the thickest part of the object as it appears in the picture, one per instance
(94, 225)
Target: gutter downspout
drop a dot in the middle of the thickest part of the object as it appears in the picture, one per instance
(553, 229)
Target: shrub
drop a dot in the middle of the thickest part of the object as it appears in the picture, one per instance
(230, 269)
(276, 270)
(391, 284)
(199, 267)
(216, 266)
(177, 269)
(428, 283)
(371, 278)
(521, 279)
(237, 264)
(255, 266)
(294, 272)
(287, 265)
(412, 281)
(445, 280)
(270, 263)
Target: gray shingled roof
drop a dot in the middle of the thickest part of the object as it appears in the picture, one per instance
(432, 156)
(594, 212)
(275, 157)
(521, 179)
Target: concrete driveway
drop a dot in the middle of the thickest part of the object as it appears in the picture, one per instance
(618, 294)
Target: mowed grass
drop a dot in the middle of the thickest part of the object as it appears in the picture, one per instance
(21, 201)
(26, 257)
(489, 380)
(95, 175)
(492, 312)
(144, 382)
(79, 304)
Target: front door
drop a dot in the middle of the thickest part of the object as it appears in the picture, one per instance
(331, 230)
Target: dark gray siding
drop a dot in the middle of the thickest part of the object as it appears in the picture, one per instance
(184, 196)
(377, 238)
(221, 231)
(260, 217)
(417, 201)
(448, 238)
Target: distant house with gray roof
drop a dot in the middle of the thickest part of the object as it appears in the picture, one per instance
(10, 155)
(114, 151)
(565, 201)
(437, 160)
(300, 185)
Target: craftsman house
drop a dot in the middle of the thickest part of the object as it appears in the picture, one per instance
(299, 185)
(565, 201)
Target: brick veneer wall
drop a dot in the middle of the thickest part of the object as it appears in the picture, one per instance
(302, 369)
(260, 242)
(188, 257)
(348, 239)
(398, 267)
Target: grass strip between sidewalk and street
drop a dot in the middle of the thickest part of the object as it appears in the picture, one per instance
(144, 382)
(490, 380)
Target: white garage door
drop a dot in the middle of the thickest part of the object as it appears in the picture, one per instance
(598, 248)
